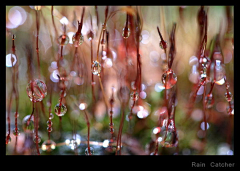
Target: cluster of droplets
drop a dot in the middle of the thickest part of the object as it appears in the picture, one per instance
(167, 134)
(229, 96)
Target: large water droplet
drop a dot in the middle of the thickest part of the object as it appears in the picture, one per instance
(60, 110)
(39, 90)
(169, 79)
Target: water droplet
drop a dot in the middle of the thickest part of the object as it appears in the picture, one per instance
(28, 125)
(209, 100)
(204, 61)
(63, 39)
(96, 68)
(156, 130)
(228, 96)
(60, 110)
(49, 123)
(230, 110)
(8, 139)
(89, 152)
(82, 106)
(16, 132)
(48, 145)
(90, 35)
(39, 90)
(126, 33)
(51, 116)
(171, 139)
(37, 139)
(133, 86)
(49, 129)
(169, 79)
(77, 39)
(11, 60)
(134, 96)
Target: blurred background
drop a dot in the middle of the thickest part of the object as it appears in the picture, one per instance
(21, 21)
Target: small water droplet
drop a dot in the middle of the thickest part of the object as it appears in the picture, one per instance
(134, 96)
(126, 33)
(8, 139)
(89, 152)
(63, 39)
(228, 96)
(96, 68)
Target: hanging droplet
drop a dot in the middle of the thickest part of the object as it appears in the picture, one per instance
(163, 44)
(203, 73)
(63, 39)
(171, 139)
(171, 124)
(133, 86)
(8, 139)
(169, 79)
(90, 35)
(11, 60)
(228, 96)
(39, 90)
(204, 61)
(60, 110)
(219, 73)
(134, 96)
(49, 129)
(96, 68)
(126, 32)
(16, 132)
(87, 152)
(230, 110)
(48, 145)
(37, 139)
(209, 100)
(77, 39)
(49, 123)
(51, 116)
(28, 125)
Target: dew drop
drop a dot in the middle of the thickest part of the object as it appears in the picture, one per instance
(169, 79)
(228, 96)
(134, 96)
(63, 39)
(8, 139)
(48, 145)
(96, 68)
(77, 39)
(60, 110)
(39, 90)
(126, 33)
(89, 152)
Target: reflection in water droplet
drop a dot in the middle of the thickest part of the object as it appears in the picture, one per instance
(96, 68)
(169, 79)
